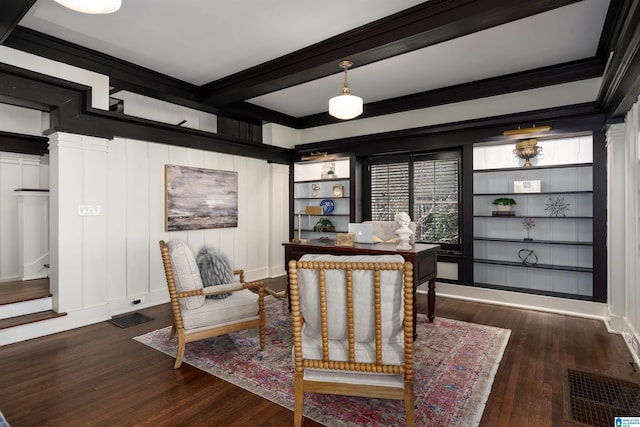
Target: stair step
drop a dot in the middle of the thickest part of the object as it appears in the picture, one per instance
(20, 291)
(29, 318)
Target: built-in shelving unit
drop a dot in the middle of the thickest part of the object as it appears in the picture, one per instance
(561, 239)
(326, 184)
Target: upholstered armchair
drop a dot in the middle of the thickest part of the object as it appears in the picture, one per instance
(352, 327)
(196, 317)
(384, 231)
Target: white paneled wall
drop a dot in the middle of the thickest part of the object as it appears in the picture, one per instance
(137, 217)
(16, 171)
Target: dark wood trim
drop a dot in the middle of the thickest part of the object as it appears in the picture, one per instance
(600, 284)
(566, 119)
(12, 12)
(123, 75)
(24, 144)
(423, 25)
(465, 262)
(621, 79)
(531, 79)
(70, 112)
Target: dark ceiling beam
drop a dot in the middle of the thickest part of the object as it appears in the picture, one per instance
(621, 79)
(25, 144)
(424, 25)
(531, 79)
(70, 112)
(12, 12)
(123, 75)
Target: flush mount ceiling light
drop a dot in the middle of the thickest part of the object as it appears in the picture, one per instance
(91, 6)
(345, 106)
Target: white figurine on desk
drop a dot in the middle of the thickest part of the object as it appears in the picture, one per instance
(403, 232)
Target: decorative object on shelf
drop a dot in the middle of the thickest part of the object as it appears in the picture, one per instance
(403, 232)
(315, 156)
(337, 191)
(528, 257)
(91, 6)
(327, 206)
(299, 239)
(324, 224)
(315, 188)
(557, 206)
(345, 239)
(528, 223)
(328, 171)
(504, 204)
(345, 106)
(527, 150)
(522, 132)
(532, 186)
(313, 210)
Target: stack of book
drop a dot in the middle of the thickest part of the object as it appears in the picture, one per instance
(503, 213)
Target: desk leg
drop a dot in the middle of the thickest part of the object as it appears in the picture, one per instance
(431, 299)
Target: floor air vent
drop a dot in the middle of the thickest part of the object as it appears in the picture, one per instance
(596, 400)
(130, 320)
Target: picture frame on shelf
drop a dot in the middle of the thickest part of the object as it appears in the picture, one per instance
(345, 239)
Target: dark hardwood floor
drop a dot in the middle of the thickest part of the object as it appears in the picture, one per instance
(98, 376)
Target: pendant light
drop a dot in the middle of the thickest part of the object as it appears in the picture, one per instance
(91, 6)
(345, 106)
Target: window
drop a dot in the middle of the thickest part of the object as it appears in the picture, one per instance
(427, 187)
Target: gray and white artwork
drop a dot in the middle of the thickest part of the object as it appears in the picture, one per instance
(198, 198)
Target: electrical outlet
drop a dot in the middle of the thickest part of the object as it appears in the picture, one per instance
(138, 300)
(634, 345)
(627, 337)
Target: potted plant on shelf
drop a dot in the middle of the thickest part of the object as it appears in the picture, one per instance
(324, 224)
(504, 203)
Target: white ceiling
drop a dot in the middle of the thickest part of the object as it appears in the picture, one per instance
(199, 41)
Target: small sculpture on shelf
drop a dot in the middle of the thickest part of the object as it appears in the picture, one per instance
(557, 206)
(528, 257)
(528, 223)
(315, 189)
(527, 150)
(403, 232)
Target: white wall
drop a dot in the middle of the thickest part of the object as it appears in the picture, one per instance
(16, 171)
(623, 232)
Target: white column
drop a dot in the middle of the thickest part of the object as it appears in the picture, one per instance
(278, 218)
(616, 225)
(78, 167)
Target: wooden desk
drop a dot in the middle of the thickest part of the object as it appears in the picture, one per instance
(423, 257)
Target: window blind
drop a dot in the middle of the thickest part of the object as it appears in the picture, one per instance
(389, 190)
(435, 200)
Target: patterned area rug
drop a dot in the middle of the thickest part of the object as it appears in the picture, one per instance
(454, 366)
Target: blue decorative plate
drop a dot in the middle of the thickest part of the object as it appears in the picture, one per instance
(327, 206)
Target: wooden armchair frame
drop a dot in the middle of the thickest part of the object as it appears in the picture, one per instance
(184, 335)
(387, 392)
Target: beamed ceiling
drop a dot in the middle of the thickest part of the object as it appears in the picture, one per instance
(277, 61)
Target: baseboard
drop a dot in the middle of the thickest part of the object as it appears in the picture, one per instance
(587, 309)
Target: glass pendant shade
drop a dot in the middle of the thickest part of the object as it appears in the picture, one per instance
(91, 6)
(345, 106)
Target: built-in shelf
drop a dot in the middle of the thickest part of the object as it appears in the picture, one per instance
(562, 245)
(539, 193)
(540, 266)
(532, 216)
(542, 242)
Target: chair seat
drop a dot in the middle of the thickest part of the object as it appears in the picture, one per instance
(365, 352)
(241, 305)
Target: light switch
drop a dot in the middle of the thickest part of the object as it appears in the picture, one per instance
(84, 210)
